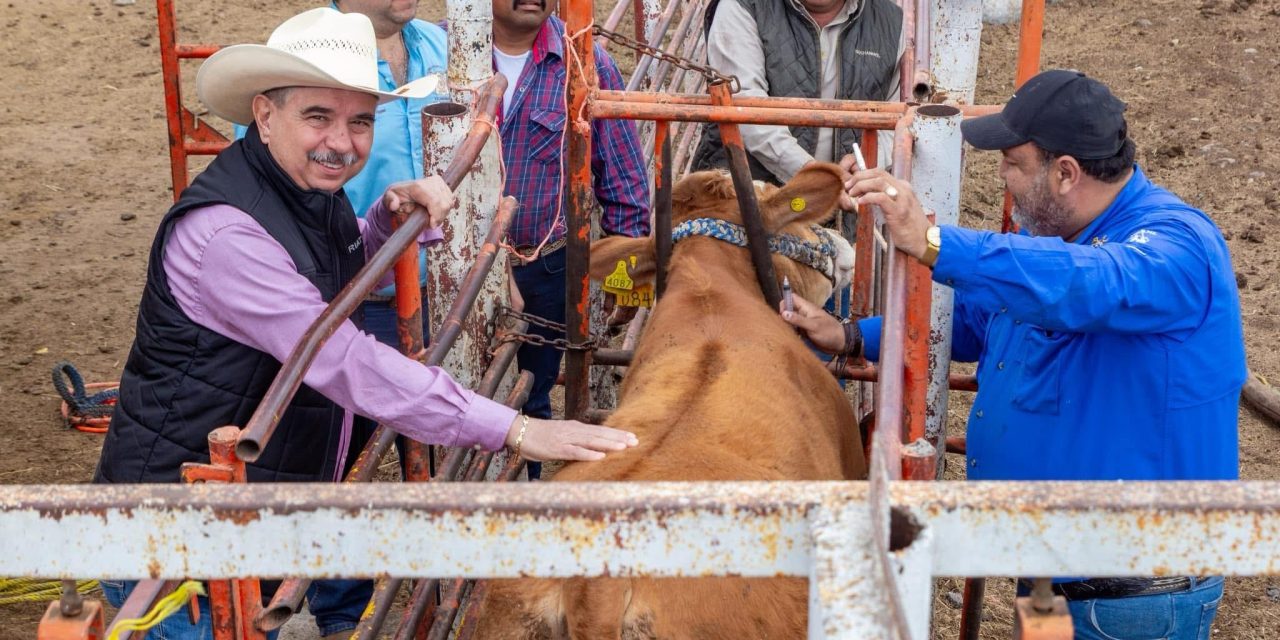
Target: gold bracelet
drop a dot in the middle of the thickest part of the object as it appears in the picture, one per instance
(524, 424)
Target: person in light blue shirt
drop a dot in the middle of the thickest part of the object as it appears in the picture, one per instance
(408, 49)
(1107, 333)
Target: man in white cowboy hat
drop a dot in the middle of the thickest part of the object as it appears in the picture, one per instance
(248, 258)
(408, 49)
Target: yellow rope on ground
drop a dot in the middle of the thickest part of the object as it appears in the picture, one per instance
(164, 608)
(14, 590)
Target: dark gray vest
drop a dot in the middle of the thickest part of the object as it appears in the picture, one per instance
(868, 48)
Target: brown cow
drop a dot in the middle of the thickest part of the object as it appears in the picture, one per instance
(720, 389)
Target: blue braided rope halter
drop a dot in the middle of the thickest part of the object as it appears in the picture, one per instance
(819, 256)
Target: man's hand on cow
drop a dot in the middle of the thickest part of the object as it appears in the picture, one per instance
(567, 439)
(904, 217)
(430, 193)
(820, 327)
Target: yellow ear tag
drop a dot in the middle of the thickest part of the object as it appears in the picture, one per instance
(619, 281)
(641, 296)
(797, 204)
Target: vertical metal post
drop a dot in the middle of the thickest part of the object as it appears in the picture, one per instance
(956, 38)
(172, 95)
(234, 604)
(744, 188)
(907, 65)
(862, 298)
(936, 178)
(1030, 35)
(975, 590)
(845, 600)
(578, 201)
(916, 353)
(662, 201)
(417, 467)
(444, 126)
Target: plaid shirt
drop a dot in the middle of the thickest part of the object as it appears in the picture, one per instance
(532, 135)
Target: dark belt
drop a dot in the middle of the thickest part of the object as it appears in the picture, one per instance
(1096, 588)
(547, 249)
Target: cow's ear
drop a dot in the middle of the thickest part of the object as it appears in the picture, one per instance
(636, 254)
(811, 196)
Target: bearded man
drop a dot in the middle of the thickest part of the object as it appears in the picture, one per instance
(1107, 334)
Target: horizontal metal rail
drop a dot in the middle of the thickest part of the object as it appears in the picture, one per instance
(616, 529)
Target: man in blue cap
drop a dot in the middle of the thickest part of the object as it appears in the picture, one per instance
(1107, 334)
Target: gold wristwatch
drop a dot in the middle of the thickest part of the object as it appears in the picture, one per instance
(933, 244)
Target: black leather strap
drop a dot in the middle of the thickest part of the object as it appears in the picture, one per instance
(1102, 588)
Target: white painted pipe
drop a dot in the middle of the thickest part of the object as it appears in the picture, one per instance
(957, 37)
(935, 176)
(470, 64)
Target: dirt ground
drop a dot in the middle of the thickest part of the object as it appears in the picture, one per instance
(84, 137)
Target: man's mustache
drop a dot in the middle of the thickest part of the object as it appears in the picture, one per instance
(332, 157)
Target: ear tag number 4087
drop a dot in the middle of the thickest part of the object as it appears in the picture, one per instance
(625, 291)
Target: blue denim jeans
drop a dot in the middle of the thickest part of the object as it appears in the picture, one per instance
(176, 627)
(541, 284)
(1182, 615)
(380, 320)
(336, 605)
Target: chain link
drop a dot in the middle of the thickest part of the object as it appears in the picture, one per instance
(563, 344)
(712, 75)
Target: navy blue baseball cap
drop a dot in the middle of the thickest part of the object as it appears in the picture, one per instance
(1062, 111)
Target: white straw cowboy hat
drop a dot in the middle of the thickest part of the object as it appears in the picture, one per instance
(316, 48)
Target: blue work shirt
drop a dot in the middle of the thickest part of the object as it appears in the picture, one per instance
(397, 127)
(1118, 356)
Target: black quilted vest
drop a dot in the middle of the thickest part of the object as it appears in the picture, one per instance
(868, 50)
(182, 380)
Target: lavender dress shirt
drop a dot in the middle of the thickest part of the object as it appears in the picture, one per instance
(230, 276)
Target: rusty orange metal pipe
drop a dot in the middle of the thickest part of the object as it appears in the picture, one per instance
(196, 51)
(871, 373)
(888, 428)
(579, 201)
(1030, 37)
(916, 351)
(809, 104)
(907, 64)
(417, 466)
(863, 268)
(733, 114)
(172, 95)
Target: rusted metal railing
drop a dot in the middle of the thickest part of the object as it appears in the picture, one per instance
(708, 529)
